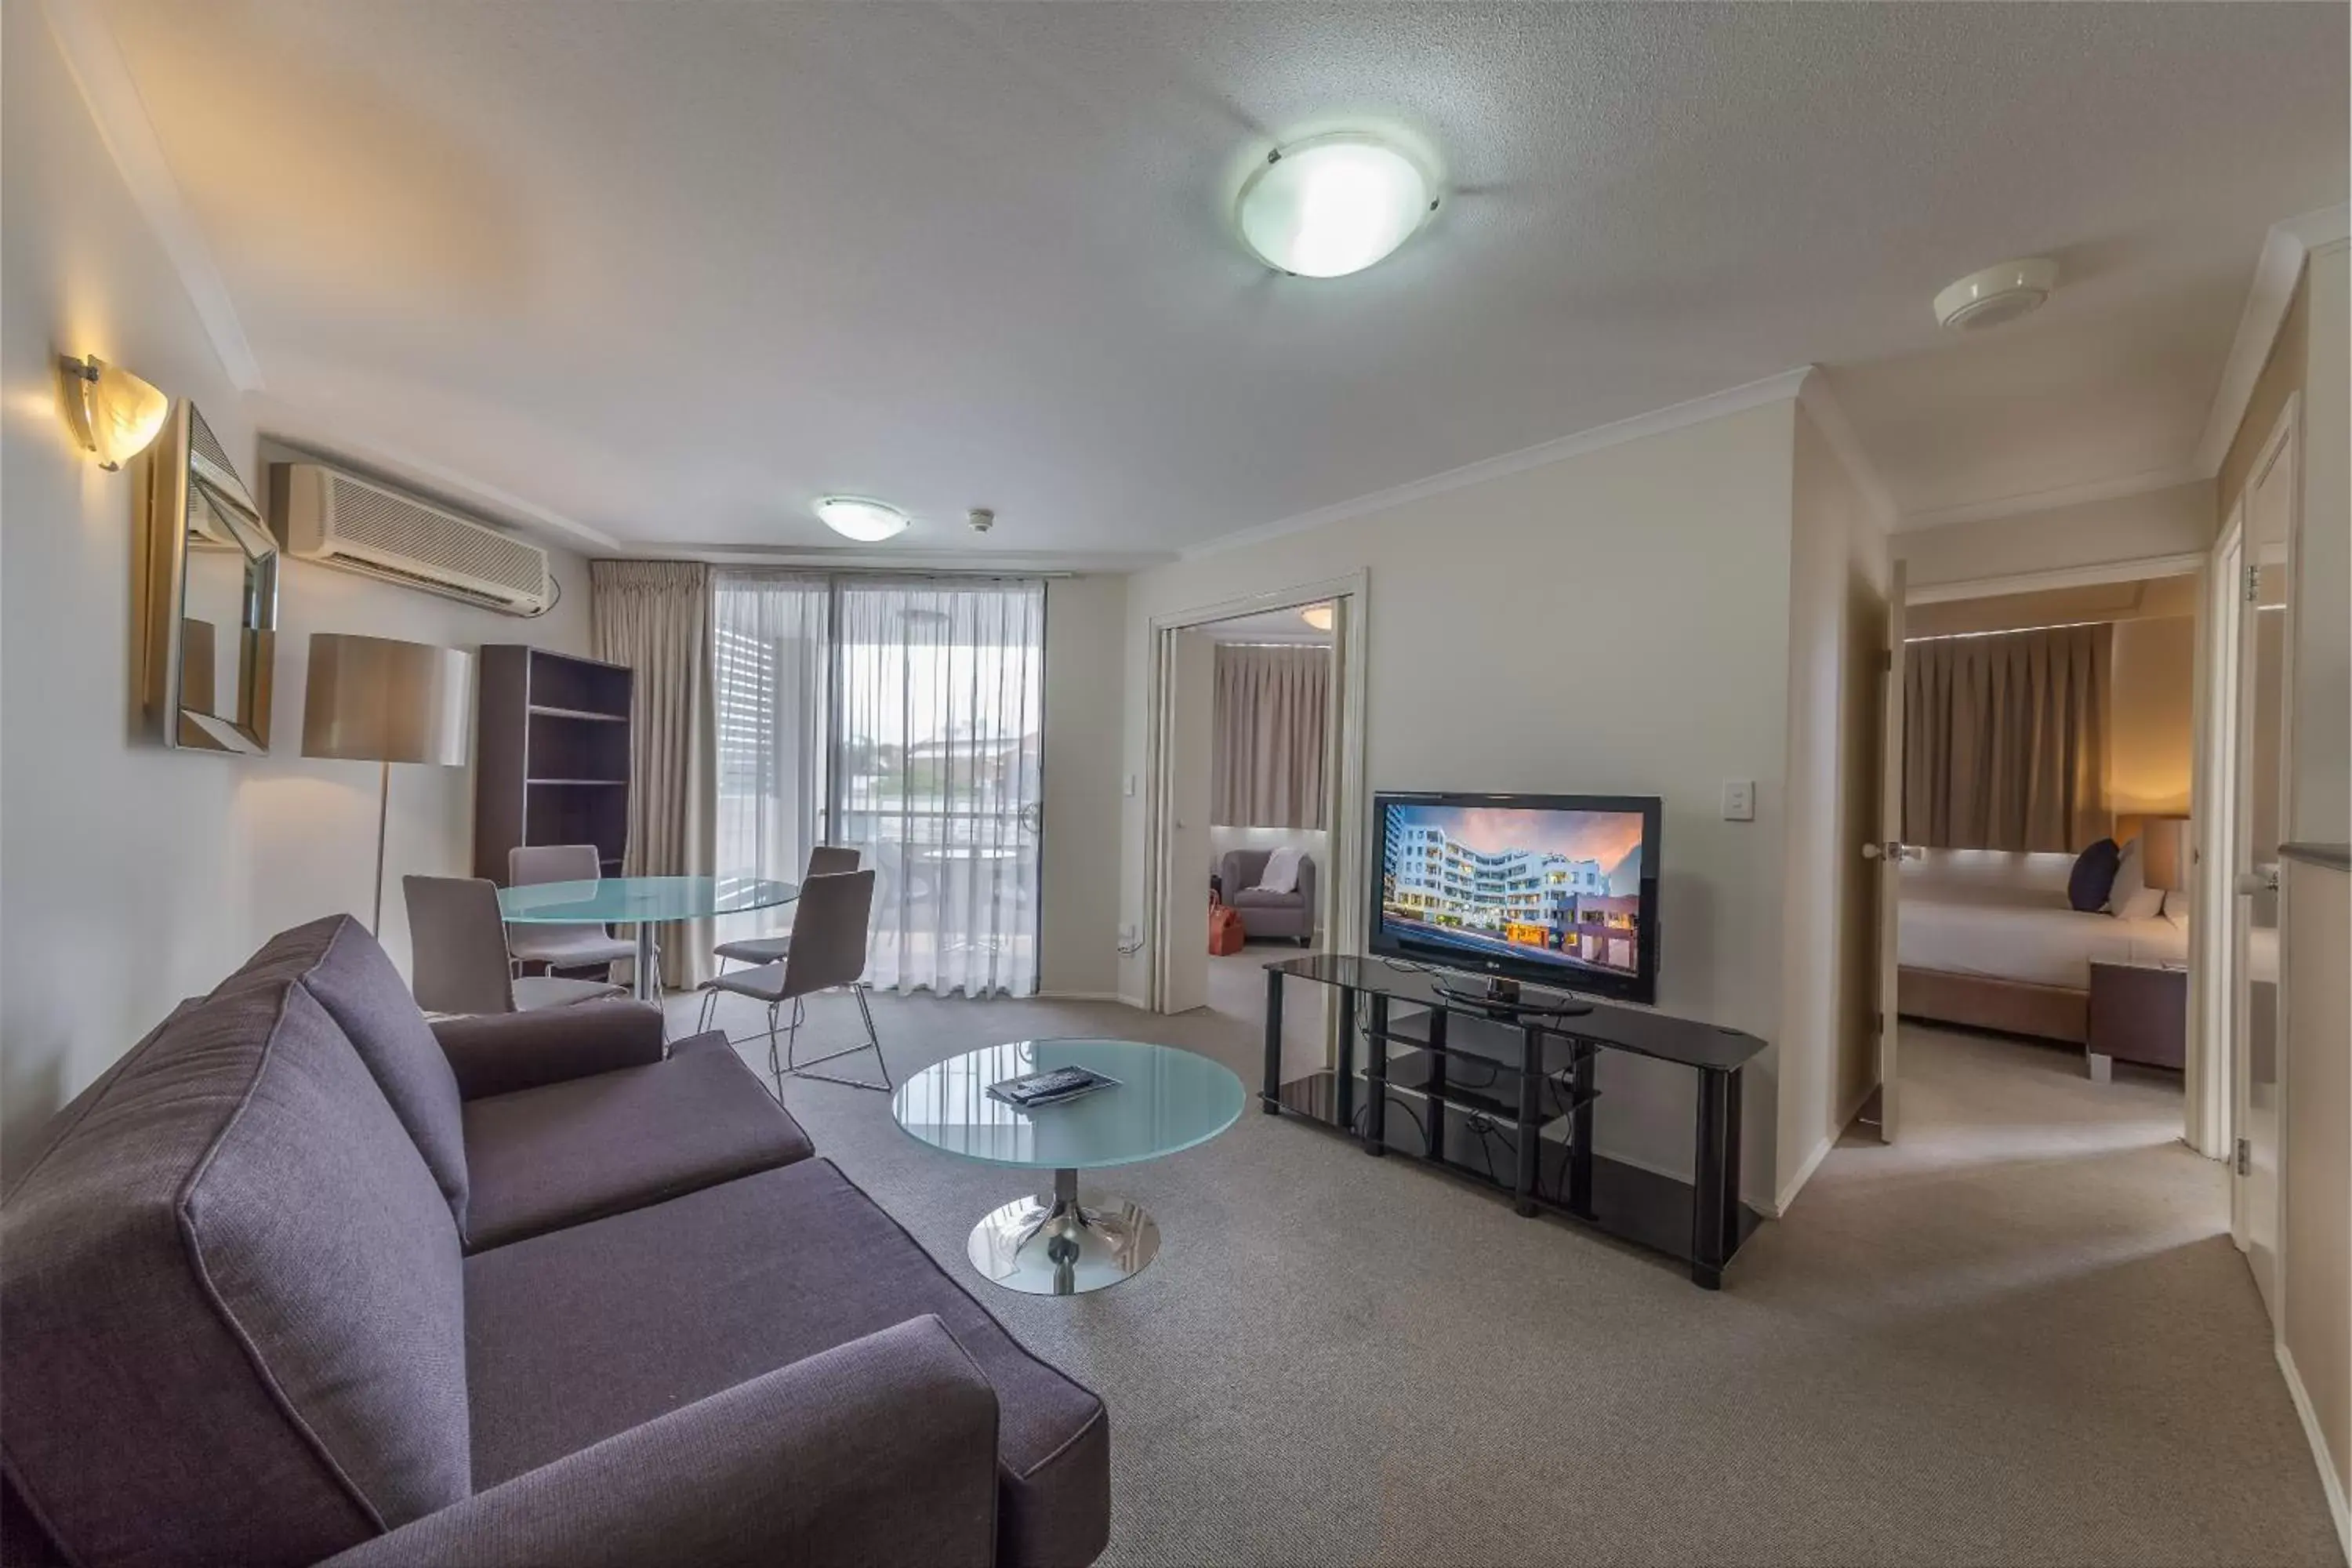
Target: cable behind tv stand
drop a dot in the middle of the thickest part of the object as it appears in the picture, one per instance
(1501, 1094)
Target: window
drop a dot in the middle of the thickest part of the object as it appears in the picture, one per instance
(903, 718)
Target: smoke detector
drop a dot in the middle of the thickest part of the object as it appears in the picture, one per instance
(982, 519)
(1997, 294)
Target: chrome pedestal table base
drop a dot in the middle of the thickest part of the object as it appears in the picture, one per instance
(1064, 1243)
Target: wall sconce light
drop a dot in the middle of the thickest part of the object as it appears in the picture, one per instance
(113, 413)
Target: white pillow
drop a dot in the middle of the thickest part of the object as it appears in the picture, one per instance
(1281, 873)
(2131, 898)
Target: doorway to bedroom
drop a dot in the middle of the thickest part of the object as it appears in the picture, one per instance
(1255, 776)
(2048, 810)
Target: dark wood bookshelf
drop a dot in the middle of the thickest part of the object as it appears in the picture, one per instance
(552, 755)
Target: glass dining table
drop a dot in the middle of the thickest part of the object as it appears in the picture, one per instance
(645, 902)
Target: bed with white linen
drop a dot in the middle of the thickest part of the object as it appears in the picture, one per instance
(1988, 940)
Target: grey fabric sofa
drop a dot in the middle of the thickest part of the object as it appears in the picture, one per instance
(1268, 914)
(304, 1279)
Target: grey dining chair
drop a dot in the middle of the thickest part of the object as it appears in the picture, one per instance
(826, 953)
(459, 946)
(561, 946)
(824, 860)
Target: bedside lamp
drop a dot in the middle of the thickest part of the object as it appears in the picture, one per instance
(375, 700)
(2164, 852)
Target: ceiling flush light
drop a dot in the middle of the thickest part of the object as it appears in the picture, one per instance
(1332, 204)
(113, 413)
(1997, 294)
(1316, 616)
(865, 521)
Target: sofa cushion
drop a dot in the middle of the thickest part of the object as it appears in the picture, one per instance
(580, 1333)
(352, 977)
(234, 1326)
(566, 1152)
(1256, 899)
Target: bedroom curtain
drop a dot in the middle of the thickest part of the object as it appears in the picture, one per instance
(2005, 740)
(1273, 711)
(655, 618)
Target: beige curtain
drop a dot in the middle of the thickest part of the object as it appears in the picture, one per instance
(2005, 740)
(1273, 710)
(655, 618)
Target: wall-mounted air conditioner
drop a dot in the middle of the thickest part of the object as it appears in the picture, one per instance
(336, 519)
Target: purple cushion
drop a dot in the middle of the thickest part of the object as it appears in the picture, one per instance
(2093, 875)
(576, 1151)
(352, 978)
(585, 1332)
(234, 1303)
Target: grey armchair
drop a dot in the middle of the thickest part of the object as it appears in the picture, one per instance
(1269, 914)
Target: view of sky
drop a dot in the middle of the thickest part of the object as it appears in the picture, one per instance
(1604, 836)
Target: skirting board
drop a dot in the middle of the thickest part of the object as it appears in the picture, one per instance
(1788, 1195)
(2329, 1479)
(1080, 996)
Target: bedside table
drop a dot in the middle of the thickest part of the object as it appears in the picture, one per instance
(2140, 1012)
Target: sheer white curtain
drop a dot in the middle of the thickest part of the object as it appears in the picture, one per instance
(769, 652)
(938, 712)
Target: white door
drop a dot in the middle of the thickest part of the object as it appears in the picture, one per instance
(1888, 851)
(1188, 706)
(2258, 825)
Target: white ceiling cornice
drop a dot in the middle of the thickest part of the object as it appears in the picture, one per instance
(865, 557)
(2284, 249)
(1814, 394)
(121, 115)
(2046, 500)
(1779, 388)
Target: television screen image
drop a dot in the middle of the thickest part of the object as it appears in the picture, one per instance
(1560, 890)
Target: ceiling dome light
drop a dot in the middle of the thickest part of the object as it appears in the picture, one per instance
(867, 520)
(1997, 294)
(1332, 204)
(1319, 616)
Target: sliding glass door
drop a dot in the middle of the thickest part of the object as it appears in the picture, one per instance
(902, 718)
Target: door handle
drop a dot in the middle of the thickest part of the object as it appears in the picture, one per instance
(2263, 879)
(1892, 849)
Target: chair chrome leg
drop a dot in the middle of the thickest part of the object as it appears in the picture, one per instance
(775, 1069)
(872, 1043)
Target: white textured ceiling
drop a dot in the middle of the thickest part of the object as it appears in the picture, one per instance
(671, 268)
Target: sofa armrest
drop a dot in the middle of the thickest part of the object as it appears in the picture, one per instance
(497, 1053)
(881, 1450)
(1307, 890)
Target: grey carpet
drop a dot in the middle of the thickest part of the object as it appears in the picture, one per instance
(2022, 1337)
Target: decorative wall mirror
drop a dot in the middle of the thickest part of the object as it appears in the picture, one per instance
(210, 620)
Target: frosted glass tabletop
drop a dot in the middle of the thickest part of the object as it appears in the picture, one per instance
(633, 900)
(1166, 1100)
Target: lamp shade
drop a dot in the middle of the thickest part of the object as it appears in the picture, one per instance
(375, 700)
(2164, 850)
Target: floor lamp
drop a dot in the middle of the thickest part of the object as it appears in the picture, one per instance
(374, 699)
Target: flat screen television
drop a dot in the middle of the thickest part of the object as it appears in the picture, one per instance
(1559, 890)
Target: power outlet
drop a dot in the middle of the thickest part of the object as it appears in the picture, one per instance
(1740, 800)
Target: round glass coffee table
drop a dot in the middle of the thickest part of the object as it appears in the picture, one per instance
(1066, 1242)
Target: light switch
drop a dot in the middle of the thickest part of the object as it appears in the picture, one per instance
(1740, 800)
(1129, 791)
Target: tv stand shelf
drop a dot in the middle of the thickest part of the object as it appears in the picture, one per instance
(1505, 1099)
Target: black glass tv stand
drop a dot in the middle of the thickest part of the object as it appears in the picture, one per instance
(1501, 1093)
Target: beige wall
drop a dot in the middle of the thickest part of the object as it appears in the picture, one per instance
(2309, 360)
(2174, 522)
(1077, 938)
(2151, 750)
(131, 876)
(1836, 629)
(2322, 801)
(1664, 561)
